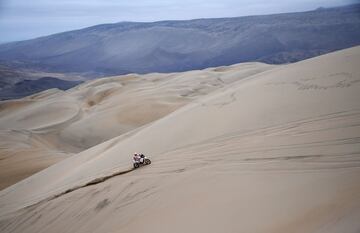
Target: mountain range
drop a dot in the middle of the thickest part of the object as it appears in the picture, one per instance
(173, 46)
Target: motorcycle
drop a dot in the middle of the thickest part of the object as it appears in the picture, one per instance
(142, 162)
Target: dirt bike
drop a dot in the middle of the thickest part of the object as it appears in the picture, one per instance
(145, 161)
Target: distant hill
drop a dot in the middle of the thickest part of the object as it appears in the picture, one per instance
(29, 87)
(168, 46)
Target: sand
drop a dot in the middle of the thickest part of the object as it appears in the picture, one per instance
(53, 125)
(276, 151)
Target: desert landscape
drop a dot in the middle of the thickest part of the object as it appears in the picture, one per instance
(45, 128)
(249, 147)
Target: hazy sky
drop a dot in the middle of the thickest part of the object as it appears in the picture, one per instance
(25, 19)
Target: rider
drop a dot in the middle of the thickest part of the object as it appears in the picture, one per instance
(136, 157)
(142, 157)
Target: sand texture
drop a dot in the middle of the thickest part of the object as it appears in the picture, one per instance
(276, 149)
(45, 128)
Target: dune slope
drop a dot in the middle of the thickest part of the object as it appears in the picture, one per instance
(47, 127)
(277, 152)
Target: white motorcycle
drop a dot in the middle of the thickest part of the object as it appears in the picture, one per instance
(142, 162)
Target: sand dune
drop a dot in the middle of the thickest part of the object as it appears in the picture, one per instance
(69, 122)
(275, 152)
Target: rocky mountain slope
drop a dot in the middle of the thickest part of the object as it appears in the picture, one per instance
(168, 46)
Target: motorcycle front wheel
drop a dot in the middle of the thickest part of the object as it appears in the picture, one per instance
(147, 161)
